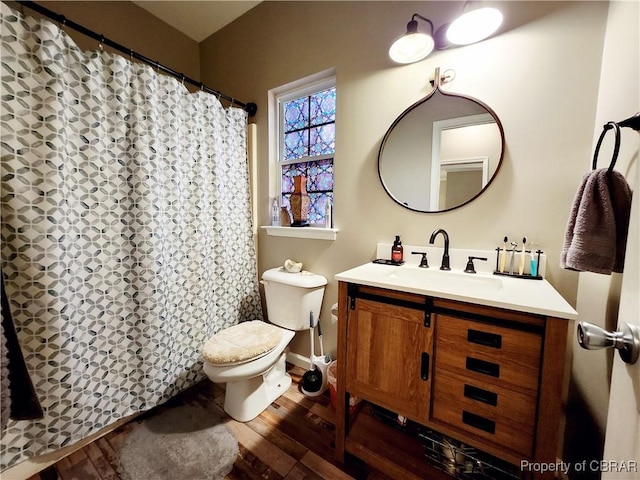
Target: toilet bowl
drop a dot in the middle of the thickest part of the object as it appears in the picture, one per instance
(253, 383)
(250, 357)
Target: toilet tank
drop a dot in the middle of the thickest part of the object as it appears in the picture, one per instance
(290, 297)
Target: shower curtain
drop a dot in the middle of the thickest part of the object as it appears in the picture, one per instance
(126, 236)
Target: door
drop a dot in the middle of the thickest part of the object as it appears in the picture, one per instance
(622, 439)
(388, 352)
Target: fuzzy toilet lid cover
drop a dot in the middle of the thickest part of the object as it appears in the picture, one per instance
(241, 342)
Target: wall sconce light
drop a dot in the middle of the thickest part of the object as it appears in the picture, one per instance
(471, 27)
(474, 25)
(413, 45)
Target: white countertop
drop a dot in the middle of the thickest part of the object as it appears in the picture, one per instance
(482, 288)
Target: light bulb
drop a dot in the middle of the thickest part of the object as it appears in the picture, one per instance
(411, 47)
(474, 26)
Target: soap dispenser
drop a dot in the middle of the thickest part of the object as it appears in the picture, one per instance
(397, 250)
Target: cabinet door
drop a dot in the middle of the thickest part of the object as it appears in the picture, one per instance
(389, 352)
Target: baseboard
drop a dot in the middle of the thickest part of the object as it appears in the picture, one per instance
(298, 360)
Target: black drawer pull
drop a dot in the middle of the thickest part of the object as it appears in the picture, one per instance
(424, 366)
(492, 340)
(478, 422)
(486, 368)
(481, 395)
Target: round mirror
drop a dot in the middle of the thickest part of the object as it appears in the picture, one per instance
(441, 152)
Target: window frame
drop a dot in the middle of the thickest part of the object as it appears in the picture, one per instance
(301, 88)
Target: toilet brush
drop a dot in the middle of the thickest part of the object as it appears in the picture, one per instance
(312, 378)
(324, 358)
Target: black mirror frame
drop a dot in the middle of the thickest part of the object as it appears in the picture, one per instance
(414, 106)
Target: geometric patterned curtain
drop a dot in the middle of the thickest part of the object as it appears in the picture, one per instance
(126, 236)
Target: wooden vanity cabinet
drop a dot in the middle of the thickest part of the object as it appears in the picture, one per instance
(488, 377)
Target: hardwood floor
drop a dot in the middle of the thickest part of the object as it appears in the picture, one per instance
(292, 439)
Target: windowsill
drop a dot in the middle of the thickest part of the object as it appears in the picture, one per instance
(315, 233)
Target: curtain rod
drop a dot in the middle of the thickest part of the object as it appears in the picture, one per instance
(251, 108)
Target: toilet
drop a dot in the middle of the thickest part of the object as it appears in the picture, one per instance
(250, 356)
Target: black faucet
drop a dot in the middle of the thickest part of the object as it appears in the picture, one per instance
(445, 256)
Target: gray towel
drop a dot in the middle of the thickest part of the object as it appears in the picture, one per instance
(596, 236)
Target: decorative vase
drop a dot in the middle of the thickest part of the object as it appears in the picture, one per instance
(299, 202)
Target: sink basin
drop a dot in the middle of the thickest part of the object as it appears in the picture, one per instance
(440, 279)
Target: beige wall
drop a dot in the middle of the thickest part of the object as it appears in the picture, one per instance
(540, 76)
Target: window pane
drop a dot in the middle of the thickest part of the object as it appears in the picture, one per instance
(323, 107)
(320, 175)
(290, 171)
(319, 185)
(323, 140)
(317, 205)
(296, 114)
(296, 145)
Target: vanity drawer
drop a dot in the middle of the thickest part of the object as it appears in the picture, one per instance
(501, 355)
(487, 411)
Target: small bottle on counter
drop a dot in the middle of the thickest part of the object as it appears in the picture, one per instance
(534, 263)
(275, 213)
(397, 250)
(328, 214)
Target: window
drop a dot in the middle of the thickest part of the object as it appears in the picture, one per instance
(306, 140)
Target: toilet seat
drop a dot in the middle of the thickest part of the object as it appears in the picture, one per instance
(241, 343)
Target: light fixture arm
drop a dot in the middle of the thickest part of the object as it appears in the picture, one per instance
(413, 24)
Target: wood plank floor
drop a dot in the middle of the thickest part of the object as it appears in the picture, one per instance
(292, 439)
